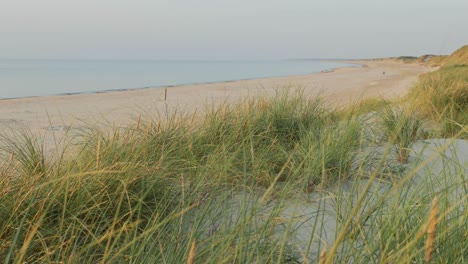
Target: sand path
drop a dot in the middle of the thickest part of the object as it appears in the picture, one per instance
(53, 113)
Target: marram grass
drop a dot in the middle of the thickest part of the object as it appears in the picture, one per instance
(443, 96)
(431, 230)
(230, 186)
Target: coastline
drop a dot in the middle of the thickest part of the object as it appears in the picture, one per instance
(117, 107)
(348, 63)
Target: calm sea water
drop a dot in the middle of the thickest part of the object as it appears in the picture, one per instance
(24, 78)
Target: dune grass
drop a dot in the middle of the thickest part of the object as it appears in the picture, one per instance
(460, 56)
(443, 96)
(284, 179)
(270, 180)
(363, 107)
(401, 129)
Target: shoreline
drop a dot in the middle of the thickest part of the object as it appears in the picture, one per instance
(339, 87)
(350, 62)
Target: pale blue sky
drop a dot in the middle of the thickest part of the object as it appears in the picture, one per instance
(230, 29)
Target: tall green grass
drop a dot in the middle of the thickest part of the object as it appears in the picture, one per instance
(443, 96)
(230, 186)
(401, 129)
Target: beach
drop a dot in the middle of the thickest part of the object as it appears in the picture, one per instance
(386, 79)
(290, 171)
(233, 132)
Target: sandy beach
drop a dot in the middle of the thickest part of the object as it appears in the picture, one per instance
(339, 87)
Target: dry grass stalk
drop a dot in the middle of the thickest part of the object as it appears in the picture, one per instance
(431, 230)
(139, 122)
(403, 156)
(323, 256)
(98, 150)
(191, 256)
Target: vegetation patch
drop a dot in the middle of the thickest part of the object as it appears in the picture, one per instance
(443, 96)
(408, 59)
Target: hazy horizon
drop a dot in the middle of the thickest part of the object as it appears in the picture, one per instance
(230, 30)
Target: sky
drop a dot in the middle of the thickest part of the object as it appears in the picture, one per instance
(230, 29)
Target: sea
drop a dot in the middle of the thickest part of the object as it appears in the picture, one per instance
(28, 78)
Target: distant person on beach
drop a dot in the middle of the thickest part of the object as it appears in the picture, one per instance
(383, 73)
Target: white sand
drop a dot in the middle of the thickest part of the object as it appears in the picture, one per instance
(119, 107)
(442, 162)
(49, 117)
